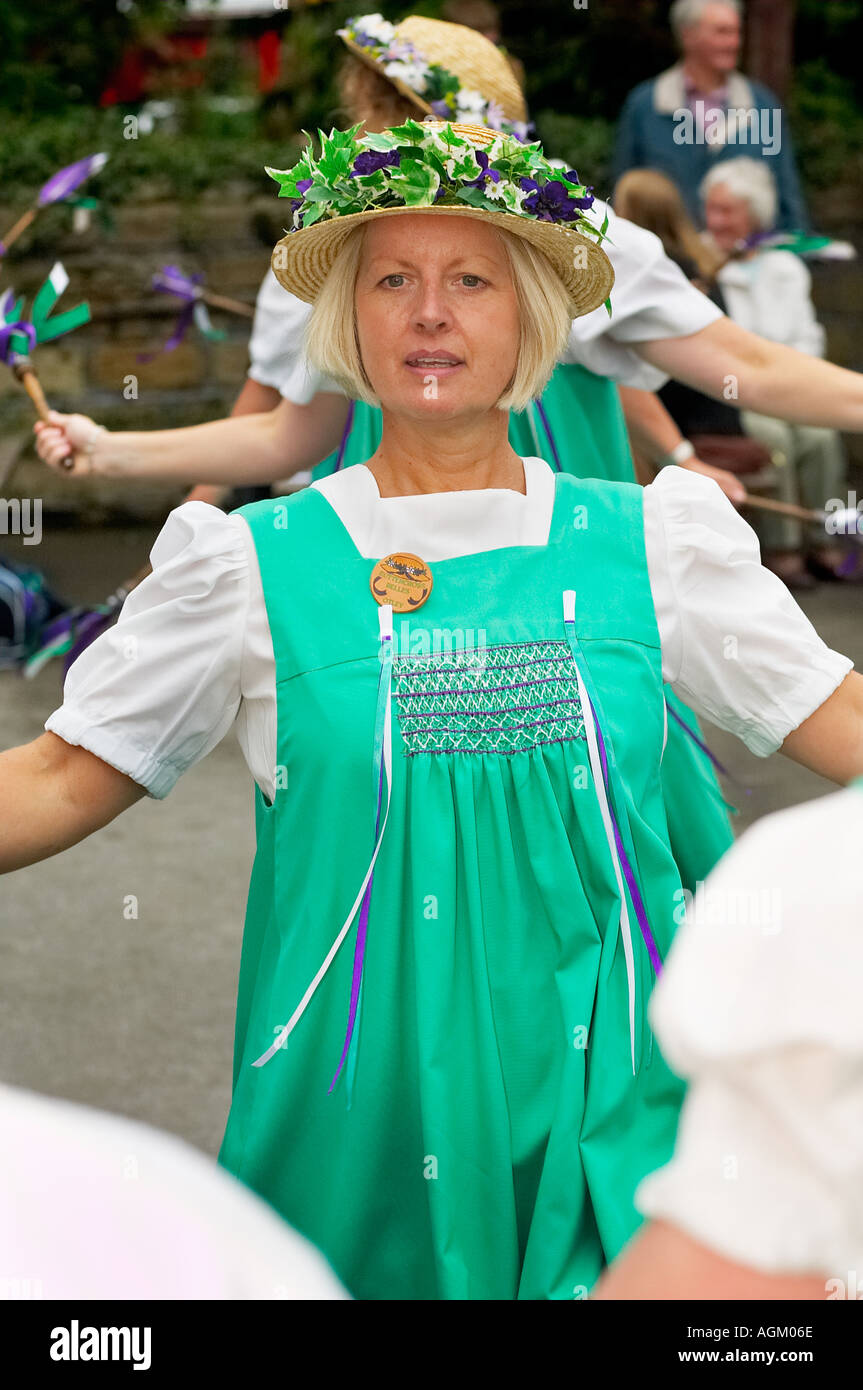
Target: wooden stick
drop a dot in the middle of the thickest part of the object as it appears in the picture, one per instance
(29, 380)
(767, 504)
(20, 226)
(22, 369)
(234, 306)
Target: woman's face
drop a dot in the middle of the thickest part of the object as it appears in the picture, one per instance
(437, 315)
(728, 217)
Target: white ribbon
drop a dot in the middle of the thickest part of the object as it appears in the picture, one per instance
(385, 614)
(605, 812)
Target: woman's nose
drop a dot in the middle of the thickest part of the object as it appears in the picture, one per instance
(430, 310)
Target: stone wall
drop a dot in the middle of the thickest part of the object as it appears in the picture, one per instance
(90, 369)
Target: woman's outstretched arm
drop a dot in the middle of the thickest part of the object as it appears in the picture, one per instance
(725, 361)
(53, 794)
(830, 741)
(241, 449)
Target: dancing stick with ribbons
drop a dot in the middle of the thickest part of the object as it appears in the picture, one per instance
(845, 521)
(190, 289)
(19, 335)
(59, 187)
(71, 632)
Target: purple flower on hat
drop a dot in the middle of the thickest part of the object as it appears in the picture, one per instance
(552, 202)
(303, 185)
(494, 116)
(486, 174)
(401, 52)
(441, 109)
(370, 161)
(587, 200)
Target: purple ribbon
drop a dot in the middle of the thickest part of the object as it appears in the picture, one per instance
(171, 280)
(65, 181)
(360, 948)
(181, 328)
(628, 873)
(346, 432)
(704, 748)
(7, 351)
(547, 427)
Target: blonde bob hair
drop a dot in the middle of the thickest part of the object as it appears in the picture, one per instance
(545, 315)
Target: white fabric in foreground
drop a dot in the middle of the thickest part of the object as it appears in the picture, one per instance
(96, 1206)
(192, 650)
(759, 1006)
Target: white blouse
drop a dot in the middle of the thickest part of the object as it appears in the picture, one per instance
(759, 1006)
(192, 652)
(771, 294)
(651, 299)
(97, 1206)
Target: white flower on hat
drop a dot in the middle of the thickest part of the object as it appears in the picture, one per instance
(469, 102)
(376, 27)
(412, 74)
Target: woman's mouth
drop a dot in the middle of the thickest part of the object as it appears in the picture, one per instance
(437, 363)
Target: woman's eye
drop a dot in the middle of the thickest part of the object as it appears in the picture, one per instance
(471, 281)
(394, 281)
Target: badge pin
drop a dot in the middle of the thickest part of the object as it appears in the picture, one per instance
(402, 579)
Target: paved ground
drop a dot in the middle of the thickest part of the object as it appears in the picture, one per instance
(136, 1015)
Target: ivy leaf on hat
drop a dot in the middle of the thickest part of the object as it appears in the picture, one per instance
(415, 182)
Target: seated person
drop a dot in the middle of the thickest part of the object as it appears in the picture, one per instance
(768, 291)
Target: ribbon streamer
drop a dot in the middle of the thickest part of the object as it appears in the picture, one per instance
(381, 758)
(55, 190)
(189, 288)
(66, 180)
(383, 730)
(622, 855)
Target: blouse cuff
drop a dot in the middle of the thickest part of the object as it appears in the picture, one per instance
(156, 776)
(735, 645)
(826, 672)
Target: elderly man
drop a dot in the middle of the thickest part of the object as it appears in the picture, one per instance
(702, 110)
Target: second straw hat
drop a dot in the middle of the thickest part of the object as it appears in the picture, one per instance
(420, 56)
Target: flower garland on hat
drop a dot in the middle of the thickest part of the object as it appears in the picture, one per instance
(421, 165)
(402, 61)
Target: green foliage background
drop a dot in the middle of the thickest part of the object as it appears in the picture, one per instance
(55, 60)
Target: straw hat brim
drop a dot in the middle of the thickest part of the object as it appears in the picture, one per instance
(302, 260)
(396, 82)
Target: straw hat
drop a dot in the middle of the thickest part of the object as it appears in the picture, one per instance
(303, 258)
(474, 60)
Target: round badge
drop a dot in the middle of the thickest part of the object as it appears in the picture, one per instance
(404, 580)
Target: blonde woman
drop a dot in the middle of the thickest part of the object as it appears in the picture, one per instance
(447, 665)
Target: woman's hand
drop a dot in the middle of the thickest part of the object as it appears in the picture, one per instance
(729, 482)
(65, 435)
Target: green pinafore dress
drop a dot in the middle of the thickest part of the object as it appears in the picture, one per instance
(577, 426)
(462, 892)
